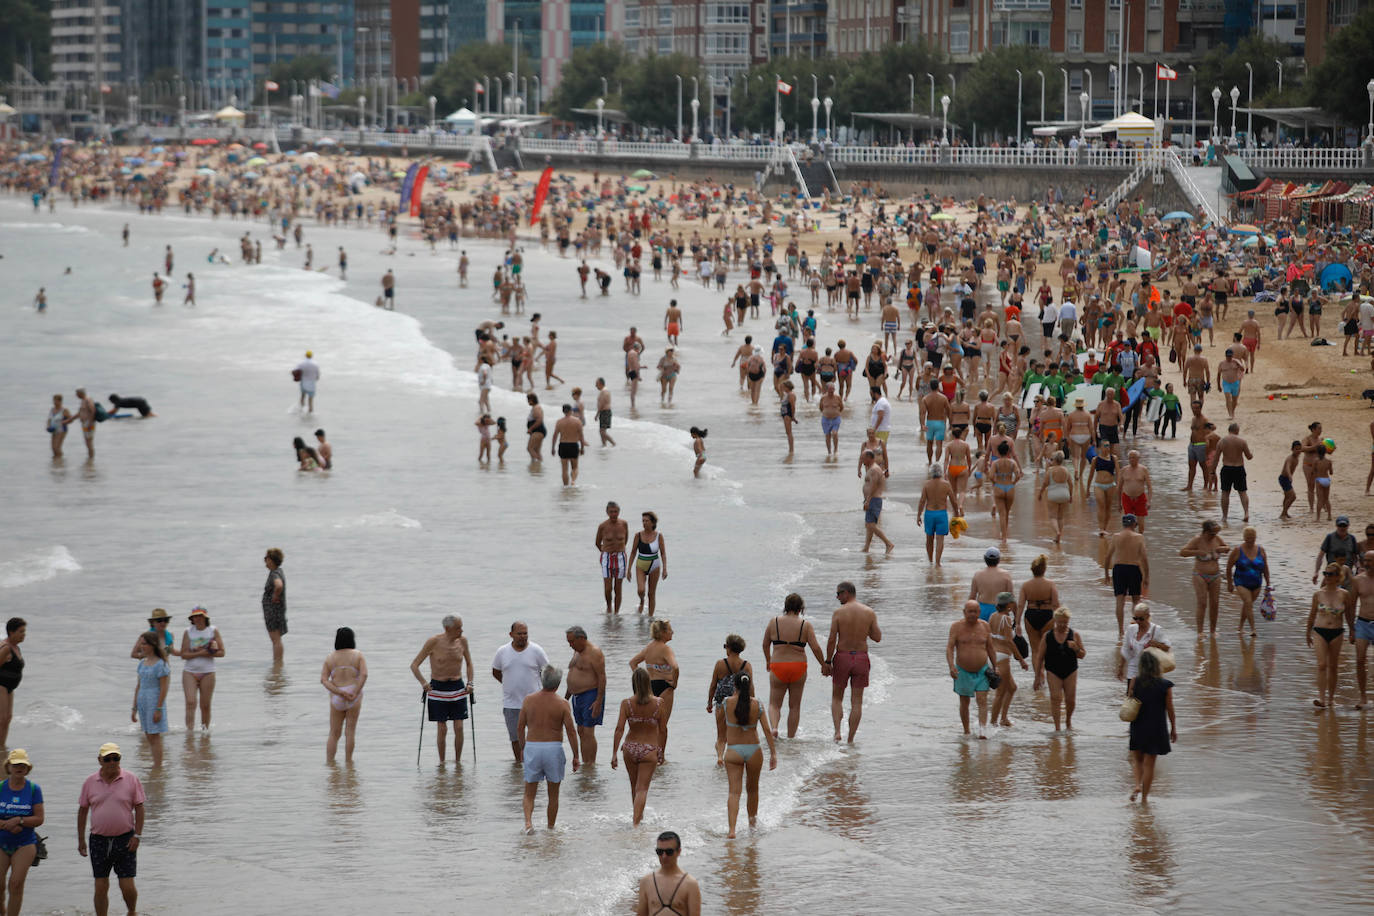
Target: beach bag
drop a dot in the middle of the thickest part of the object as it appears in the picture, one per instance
(1165, 659)
(1130, 708)
(1266, 605)
(994, 679)
(295, 375)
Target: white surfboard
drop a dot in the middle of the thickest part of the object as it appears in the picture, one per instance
(1028, 399)
(1091, 395)
(1154, 410)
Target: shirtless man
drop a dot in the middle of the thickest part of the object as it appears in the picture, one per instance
(892, 323)
(632, 373)
(831, 406)
(1108, 419)
(852, 625)
(324, 450)
(1137, 488)
(875, 482)
(935, 408)
(933, 511)
(611, 537)
(568, 443)
(741, 359)
(1197, 374)
(85, 413)
(844, 364)
(1290, 467)
(445, 693)
(1078, 427)
(1197, 443)
(389, 289)
(1363, 587)
(1129, 568)
(989, 582)
(1229, 372)
(586, 689)
(544, 718)
(1250, 339)
(603, 411)
(1234, 451)
(968, 653)
(669, 889)
(463, 264)
(672, 321)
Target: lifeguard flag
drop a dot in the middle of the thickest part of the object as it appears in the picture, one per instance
(477, 88)
(270, 86)
(541, 192)
(417, 192)
(784, 88)
(1164, 73)
(408, 185)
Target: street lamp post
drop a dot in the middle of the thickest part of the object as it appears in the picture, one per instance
(432, 102)
(829, 101)
(1370, 86)
(911, 77)
(729, 92)
(362, 103)
(538, 93)
(1235, 97)
(1114, 78)
(181, 111)
(931, 77)
(944, 120)
(678, 77)
(1018, 108)
(133, 109)
(600, 110)
(1140, 72)
(1066, 92)
(1042, 96)
(604, 91)
(1250, 106)
(696, 106)
(1216, 112)
(1279, 63)
(952, 85)
(1083, 100)
(1192, 124)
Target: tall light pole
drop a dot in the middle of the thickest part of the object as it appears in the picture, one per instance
(678, 77)
(696, 105)
(1192, 124)
(815, 114)
(1235, 97)
(1250, 106)
(729, 92)
(1370, 86)
(1140, 72)
(1083, 100)
(432, 102)
(911, 78)
(538, 93)
(600, 110)
(604, 91)
(931, 77)
(952, 85)
(1066, 92)
(711, 117)
(1018, 108)
(1042, 96)
(829, 101)
(944, 120)
(777, 109)
(1114, 77)
(1216, 112)
(1278, 63)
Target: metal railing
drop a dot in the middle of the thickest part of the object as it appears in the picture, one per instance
(1320, 160)
(1190, 188)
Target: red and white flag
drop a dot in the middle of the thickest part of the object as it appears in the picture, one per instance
(271, 86)
(477, 88)
(1164, 73)
(105, 88)
(784, 88)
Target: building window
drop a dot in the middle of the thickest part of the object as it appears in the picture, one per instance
(727, 14)
(958, 38)
(665, 44)
(1113, 4)
(1075, 41)
(731, 43)
(665, 16)
(1075, 81)
(1075, 4)
(1154, 42)
(631, 17)
(1113, 40)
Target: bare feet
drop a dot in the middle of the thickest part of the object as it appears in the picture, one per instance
(1319, 704)
(1135, 792)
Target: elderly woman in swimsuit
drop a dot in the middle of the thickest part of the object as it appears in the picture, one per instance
(1104, 484)
(1058, 664)
(1056, 488)
(343, 675)
(534, 427)
(785, 641)
(644, 714)
(743, 757)
(1333, 609)
(1206, 549)
(722, 686)
(1247, 571)
(650, 556)
(660, 662)
(1036, 601)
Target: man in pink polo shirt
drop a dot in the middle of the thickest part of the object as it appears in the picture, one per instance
(114, 800)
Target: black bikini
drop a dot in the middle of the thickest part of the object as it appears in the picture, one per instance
(779, 641)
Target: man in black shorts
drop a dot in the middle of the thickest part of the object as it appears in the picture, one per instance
(112, 799)
(568, 443)
(446, 696)
(1129, 566)
(1234, 450)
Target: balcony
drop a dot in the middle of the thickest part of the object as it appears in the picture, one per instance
(1013, 6)
(1209, 11)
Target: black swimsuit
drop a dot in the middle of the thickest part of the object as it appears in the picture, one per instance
(1060, 660)
(1037, 616)
(12, 671)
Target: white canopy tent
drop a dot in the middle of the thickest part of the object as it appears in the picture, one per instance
(1131, 126)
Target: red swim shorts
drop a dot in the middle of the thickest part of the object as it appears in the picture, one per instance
(851, 668)
(1139, 506)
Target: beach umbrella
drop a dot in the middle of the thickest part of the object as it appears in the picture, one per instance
(636, 187)
(133, 160)
(156, 164)
(1244, 229)
(6, 110)
(159, 150)
(462, 165)
(1178, 214)
(643, 173)
(235, 146)
(140, 178)
(310, 155)
(259, 145)
(326, 141)
(204, 141)
(205, 170)
(256, 160)
(943, 217)
(1336, 276)
(251, 176)
(229, 113)
(125, 170)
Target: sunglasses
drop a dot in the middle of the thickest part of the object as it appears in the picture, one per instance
(1139, 619)
(111, 758)
(665, 852)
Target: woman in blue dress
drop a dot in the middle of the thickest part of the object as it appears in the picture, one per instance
(21, 810)
(150, 696)
(1154, 726)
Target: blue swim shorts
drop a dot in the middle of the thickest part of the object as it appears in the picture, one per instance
(1364, 629)
(969, 683)
(985, 611)
(545, 761)
(1231, 388)
(936, 522)
(875, 509)
(935, 430)
(830, 425)
(582, 709)
(1285, 483)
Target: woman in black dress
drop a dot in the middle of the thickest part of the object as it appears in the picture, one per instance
(1149, 735)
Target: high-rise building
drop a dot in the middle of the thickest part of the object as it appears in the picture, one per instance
(226, 48)
(854, 27)
(372, 39)
(1318, 20)
(425, 32)
(76, 35)
(549, 30)
(287, 30)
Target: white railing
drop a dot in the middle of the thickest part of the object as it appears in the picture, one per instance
(790, 158)
(1143, 166)
(1323, 160)
(738, 152)
(1190, 188)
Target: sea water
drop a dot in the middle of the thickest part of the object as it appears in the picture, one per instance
(1262, 801)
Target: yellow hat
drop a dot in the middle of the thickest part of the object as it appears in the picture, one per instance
(20, 756)
(106, 749)
(308, 354)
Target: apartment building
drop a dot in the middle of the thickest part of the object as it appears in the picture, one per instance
(76, 35)
(799, 28)
(547, 31)
(854, 27)
(283, 29)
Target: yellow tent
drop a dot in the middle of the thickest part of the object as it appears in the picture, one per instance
(229, 113)
(1131, 126)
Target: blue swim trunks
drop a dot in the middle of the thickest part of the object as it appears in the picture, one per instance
(935, 430)
(969, 683)
(937, 522)
(875, 509)
(582, 709)
(830, 425)
(1285, 483)
(1364, 629)
(985, 611)
(1231, 388)
(545, 760)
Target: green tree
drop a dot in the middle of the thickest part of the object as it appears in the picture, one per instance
(986, 94)
(27, 32)
(650, 94)
(580, 82)
(454, 83)
(1338, 83)
(303, 69)
(1223, 68)
(752, 96)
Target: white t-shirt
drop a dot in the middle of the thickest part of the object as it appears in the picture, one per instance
(881, 418)
(519, 673)
(1068, 312)
(484, 377)
(309, 371)
(1366, 316)
(1050, 314)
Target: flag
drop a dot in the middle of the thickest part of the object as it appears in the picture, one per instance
(56, 170)
(105, 88)
(541, 192)
(415, 193)
(330, 90)
(477, 88)
(271, 86)
(784, 88)
(1164, 73)
(408, 185)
